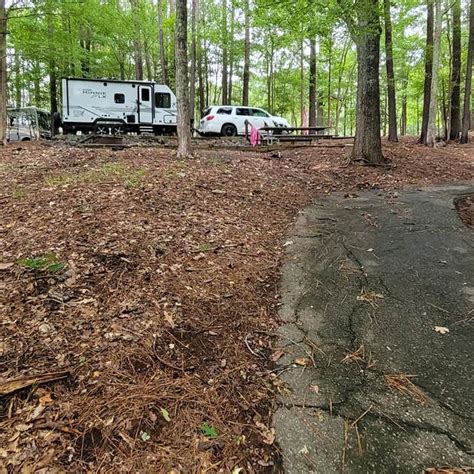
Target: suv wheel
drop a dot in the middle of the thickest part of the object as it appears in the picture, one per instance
(229, 130)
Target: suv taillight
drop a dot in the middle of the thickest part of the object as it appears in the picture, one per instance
(210, 117)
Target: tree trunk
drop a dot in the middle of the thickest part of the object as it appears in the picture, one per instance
(161, 40)
(392, 105)
(339, 103)
(329, 80)
(148, 62)
(302, 112)
(466, 119)
(3, 73)
(137, 42)
(312, 83)
(37, 76)
(231, 53)
(431, 131)
(404, 117)
(182, 87)
(224, 53)
(246, 74)
(17, 66)
(53, 93)
(455, 115)
(428, 70)
(367, 142)
(192, 84)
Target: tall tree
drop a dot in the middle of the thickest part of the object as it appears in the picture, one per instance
(137, 42)
(192, 85)
(428, 70)
(312, 83)
(363, 21)
(455, 115)
(392, 103)
(433, 109)
(466, 119)
(225, 54)
(182, 85)
(3, 73)
(246, 74)
(161, 40)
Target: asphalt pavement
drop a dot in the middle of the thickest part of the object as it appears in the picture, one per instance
(377, 310)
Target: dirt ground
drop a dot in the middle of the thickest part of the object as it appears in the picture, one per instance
(151, 285)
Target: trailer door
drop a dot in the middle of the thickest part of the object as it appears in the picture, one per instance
(145, 111)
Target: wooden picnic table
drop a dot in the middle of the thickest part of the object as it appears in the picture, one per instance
(318, 128)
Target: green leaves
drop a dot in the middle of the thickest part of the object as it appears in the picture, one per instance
(46, 263)
(165, 414)
(209, 430)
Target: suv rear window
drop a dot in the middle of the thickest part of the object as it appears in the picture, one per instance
(225, 110)
(206, 112)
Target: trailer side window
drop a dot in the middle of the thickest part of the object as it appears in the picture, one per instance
(162, 100)
(145, 94)
(119, 98)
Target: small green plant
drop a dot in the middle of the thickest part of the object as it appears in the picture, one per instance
(18, 193)
(165, 414)
(45, 263)
(209, 430)
(205, 247)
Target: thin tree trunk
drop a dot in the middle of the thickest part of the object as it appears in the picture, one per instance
(246, 74)
(224, 53)
(3, 73)
(404, 117)
(161, 40)
(455, 114)
(312, 83)
(182, 85)
(367, 142)
(444, 109)
(302, 83)
(51, 59)
(329, 80)
(231, 53)
(36, 83)
(339, 102)
(428, 70)
(192, 84)
(466, 119)
(148, 64)
(137, 42)
(392, 105)
(17, 67)
(431, 131)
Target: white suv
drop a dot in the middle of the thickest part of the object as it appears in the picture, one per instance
(229, 120)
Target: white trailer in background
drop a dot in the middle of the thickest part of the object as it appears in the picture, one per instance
(113, 107)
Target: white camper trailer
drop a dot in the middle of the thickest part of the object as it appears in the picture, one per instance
(113, 107)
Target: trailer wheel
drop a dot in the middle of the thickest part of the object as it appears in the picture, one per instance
(102, 130)
(118, 130)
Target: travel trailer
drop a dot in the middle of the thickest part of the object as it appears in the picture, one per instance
(113, 107)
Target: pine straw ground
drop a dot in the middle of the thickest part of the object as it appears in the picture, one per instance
(163, 299)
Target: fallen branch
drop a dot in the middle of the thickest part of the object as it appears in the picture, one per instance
(12, 385)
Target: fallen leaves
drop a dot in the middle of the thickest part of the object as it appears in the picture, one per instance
(441, 329)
